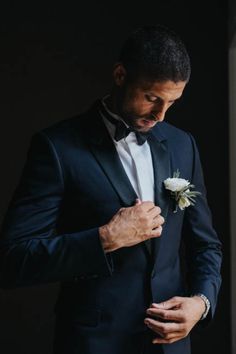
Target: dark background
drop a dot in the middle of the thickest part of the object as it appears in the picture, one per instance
(54, 62)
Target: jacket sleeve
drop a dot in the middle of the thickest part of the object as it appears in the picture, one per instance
(203, 247)
(31, 251)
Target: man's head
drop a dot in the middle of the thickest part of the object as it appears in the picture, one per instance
(151, 73)
(155, 53)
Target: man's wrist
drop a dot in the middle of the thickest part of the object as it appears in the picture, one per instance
(105, 238)
(103, 233)
(206, 302)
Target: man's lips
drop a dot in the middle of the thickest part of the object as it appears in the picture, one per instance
(148, 123)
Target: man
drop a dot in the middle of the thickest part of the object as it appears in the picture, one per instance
(93, 212)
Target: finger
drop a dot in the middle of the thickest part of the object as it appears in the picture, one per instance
(175, 338)
(158, 221)
(156, 232)
(138, 201)
(167, 315)
(169, 304)
(163, 328)
(154, 211)
(148, 206)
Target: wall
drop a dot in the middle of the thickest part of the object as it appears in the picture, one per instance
(232, 126)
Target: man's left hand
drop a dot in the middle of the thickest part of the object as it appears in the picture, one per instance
(173, 319)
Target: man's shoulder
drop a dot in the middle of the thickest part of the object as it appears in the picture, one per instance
(174, 135)
(69, 129)
(77, 126)
(65, 126)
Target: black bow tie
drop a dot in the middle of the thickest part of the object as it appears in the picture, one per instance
(122, 131)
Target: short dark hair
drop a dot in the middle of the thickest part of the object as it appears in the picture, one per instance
(155, 53)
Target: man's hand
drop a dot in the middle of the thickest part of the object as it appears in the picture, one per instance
(130, 226)
(173, 319)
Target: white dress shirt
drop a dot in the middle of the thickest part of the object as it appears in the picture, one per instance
(136, 160)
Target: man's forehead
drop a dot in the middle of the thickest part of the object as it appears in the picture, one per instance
(161, 86)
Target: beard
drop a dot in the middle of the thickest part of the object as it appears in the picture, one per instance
(137, 122)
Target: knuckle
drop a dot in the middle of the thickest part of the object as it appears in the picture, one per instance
(142, 213)
(165, 316)
(143, 218)
(183, 318)
(121, 211)
(165, 331)
(176, 298)
(168, 336)
(162, 220)
(144, 237)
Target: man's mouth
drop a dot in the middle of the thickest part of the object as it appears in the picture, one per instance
(148, 123)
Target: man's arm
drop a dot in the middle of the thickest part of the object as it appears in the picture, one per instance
(203, 247)
(31, 251)
(204, 256)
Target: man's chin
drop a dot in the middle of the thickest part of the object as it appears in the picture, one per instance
(144, 125)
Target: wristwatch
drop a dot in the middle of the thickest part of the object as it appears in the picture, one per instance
(207, 305)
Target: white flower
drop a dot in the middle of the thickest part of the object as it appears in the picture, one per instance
(184, 203)
(176, 184)
(180, 190)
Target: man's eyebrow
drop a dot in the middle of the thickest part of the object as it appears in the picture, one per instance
(148, 93)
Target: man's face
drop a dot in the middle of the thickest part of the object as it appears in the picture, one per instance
(142, 104)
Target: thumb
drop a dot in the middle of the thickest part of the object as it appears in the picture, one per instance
(168, 304)
(137, 201)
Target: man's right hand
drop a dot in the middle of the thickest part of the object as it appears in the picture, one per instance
(132, 225)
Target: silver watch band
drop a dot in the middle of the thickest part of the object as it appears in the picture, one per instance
(207, 305)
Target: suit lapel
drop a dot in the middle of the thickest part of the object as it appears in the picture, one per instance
(161, 167)
(105, 153)
(162, 170)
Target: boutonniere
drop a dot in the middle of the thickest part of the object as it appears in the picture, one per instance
(180, 190)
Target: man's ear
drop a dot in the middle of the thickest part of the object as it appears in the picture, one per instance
(119, 74)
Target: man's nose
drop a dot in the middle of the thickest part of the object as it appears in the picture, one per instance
(159, 113)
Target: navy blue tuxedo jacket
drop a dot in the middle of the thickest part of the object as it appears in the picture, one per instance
(72, 183)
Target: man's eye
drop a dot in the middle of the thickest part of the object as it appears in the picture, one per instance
(151, 98)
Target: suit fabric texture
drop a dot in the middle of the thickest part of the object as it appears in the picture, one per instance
(72, 183)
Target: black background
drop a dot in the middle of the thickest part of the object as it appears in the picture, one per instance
(54, 62)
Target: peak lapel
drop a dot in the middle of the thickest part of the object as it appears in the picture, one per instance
(105, 153)
(162, 170)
